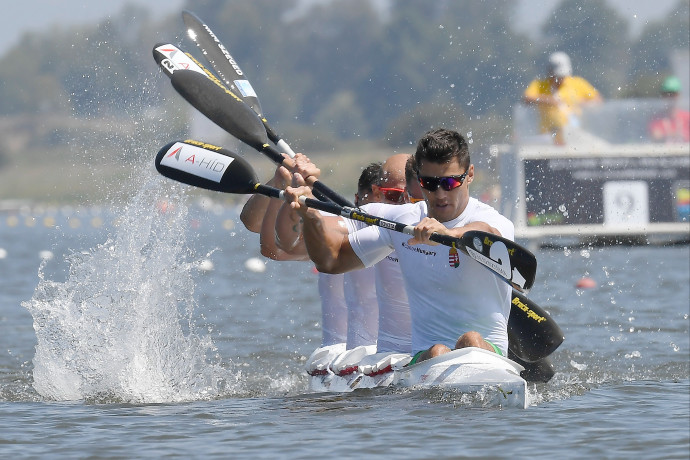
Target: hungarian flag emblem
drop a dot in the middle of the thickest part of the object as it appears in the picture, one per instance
(453, 257)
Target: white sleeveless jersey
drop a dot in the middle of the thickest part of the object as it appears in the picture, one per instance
(333, 306)
(449, 293)
(394, 328)
(333, 309)
(362, 308)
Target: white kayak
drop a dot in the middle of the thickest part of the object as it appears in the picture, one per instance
(468, 370)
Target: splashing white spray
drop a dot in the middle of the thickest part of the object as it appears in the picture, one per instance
(120, 328)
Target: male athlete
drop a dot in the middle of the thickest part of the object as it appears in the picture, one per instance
(454, 301)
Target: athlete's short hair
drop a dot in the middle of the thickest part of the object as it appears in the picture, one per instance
(441, 146)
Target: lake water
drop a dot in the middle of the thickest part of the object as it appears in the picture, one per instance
(126, 343)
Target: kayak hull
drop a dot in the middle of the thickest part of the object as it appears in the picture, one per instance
(467, 370)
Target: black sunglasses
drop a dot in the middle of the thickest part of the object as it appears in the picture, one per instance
(448, 183)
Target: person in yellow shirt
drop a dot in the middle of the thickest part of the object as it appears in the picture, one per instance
(559, 97)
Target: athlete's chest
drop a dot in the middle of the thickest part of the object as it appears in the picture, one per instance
(436, 259)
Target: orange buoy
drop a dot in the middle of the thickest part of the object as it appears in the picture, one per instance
(586, 283)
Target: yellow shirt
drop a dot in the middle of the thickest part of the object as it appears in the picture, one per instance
(572, 92)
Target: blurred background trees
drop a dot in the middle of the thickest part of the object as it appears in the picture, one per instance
(346, 69)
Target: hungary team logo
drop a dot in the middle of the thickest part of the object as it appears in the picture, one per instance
(453, 257)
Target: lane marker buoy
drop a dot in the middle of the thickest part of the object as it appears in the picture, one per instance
(586, 283)
(254, 264)
(205, 265)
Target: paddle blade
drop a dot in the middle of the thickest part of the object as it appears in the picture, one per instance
(221, 106)
(206, 166)
(507, 258)
(537, 372)
(170, 59)
(532, 333)
(220, 59)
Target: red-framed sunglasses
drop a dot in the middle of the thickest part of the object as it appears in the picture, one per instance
(447, 183)
(393, 194)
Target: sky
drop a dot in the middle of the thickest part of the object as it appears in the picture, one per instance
(34, 15)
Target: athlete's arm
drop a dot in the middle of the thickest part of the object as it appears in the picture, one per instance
(288, 235)
(268, 239)
(329, 250)
(255, 209)
(287, 230)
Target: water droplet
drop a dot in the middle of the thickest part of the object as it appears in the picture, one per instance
(578, 366)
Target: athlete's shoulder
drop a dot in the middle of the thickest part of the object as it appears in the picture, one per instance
(373, 208)
(482, 212)
(399, 212)
(479, 206)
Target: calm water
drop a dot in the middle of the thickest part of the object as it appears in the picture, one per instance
(121, 346)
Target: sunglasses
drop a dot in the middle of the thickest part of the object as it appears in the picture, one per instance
(448, 183)
(413, 199)
(395, 195)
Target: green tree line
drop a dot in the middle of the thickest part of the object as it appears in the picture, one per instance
(344, 69)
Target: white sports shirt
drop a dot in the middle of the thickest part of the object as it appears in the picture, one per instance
(333, 309)
(449, 293)
(394, 329)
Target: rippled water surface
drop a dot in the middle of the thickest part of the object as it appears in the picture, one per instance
(126, 344)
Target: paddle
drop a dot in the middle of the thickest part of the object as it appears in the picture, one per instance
(170, 58)
(227, 110)
(215, 168)
(174, 61)
(533, 334)
(538, 371)
(229, 71)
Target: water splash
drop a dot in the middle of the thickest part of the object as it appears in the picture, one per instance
(121, 327)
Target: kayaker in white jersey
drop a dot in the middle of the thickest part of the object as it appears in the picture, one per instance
(394, 332)
(358, 286)
(454, 301)
(386, 321)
